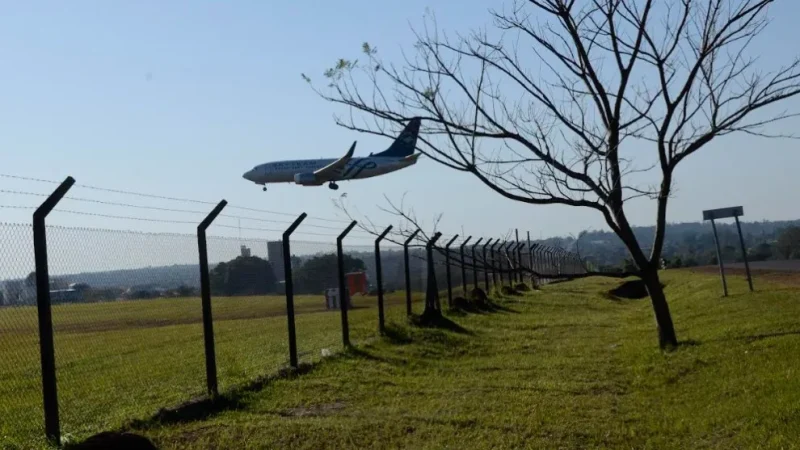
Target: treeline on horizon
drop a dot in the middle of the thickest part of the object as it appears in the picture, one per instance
(690, 244)
(686, 245)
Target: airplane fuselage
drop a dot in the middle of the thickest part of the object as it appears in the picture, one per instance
(301, 171)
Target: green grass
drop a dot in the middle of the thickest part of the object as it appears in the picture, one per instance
(119, 361)
(566, 367)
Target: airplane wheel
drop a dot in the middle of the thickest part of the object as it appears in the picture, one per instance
(333, 186)
(264, 189)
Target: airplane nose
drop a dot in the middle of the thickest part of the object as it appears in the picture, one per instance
(248, 175)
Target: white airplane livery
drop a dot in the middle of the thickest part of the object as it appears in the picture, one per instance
(315, 172)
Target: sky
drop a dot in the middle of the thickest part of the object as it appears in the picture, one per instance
(180, 98)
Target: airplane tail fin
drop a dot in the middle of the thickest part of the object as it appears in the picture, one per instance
(406, 142)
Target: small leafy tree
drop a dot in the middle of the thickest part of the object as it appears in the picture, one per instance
(322, 272)
(245, 275)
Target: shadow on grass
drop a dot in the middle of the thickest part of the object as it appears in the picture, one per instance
(205, 407)
(750, 338)
(437, 321)
(197, 409)
(758, 337)
(397, 335)
(689, 343)
(113, 440)
(462, 307)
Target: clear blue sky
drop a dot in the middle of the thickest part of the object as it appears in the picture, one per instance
(180, 98)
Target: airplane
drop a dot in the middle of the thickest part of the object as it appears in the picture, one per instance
(315, 172)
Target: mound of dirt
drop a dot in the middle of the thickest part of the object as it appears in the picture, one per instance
(508, 290)
(119, 441)
(461, 303)
(633, 290)
(478, 296)
(522, 287)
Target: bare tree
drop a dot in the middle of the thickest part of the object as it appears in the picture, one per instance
(570, 102)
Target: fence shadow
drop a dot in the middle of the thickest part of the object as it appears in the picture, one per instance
(439, 322)
(205, 407)
(462, 307)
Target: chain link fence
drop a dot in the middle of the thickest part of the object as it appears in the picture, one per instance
(127, 324)
(128, 314)
(20, 369)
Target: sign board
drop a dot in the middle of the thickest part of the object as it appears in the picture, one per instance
(723, 213)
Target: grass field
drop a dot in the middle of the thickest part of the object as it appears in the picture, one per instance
(118, 361)
(566, 367)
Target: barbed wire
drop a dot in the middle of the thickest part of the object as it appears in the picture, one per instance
(395, 236)
(173, 221)
(157, 208)
(163, 197)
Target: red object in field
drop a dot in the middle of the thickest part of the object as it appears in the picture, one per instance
(356, 282)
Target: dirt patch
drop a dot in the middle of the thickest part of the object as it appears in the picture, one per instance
(478, 296)
(314, 410)
(508, 290)
(632, 290)
(522, 287)
(120, 441)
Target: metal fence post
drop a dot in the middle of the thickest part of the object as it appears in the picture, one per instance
(379, 274)
(486, 266)
(289, 287)
(520, 272)
(501, 262)
(494, 263)
(344, 295)
(408, 270)
(463, 267)
(511, 264)
(545, 254)
(432, 292)
(514, 264)
(205, 296)
(559, 261)
(744, 253)
(447, 271)
(52, 426)
(530, 261)
(536, 272)
(516, 273)
(719, 260)
(475, 265)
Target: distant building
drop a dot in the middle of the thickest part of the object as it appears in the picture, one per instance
(245, 251)
(69, 295)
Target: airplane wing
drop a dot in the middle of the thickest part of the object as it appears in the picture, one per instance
(328, 171)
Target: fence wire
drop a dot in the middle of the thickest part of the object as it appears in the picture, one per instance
(20, 369)
(318, 322)
(127, 324)
(127, 313)
(248, 307)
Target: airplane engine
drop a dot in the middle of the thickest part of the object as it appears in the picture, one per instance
(306, 179)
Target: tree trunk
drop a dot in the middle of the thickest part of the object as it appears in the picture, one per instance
(666, 331)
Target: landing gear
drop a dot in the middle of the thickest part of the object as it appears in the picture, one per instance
(333, 186)
(264, 189)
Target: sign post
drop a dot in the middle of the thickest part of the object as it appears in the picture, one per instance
(744, 254)
(723, 213)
